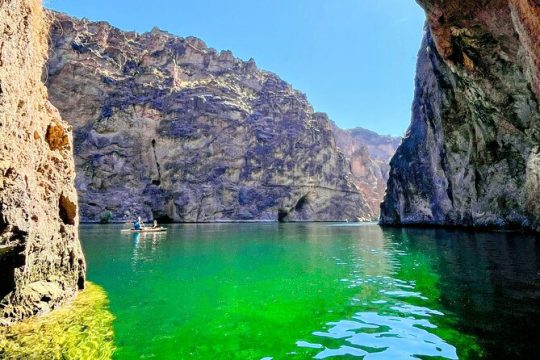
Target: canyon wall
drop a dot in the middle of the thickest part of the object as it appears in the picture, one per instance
(168, 128)
(41, 262)
(471, 156)
(369, 157)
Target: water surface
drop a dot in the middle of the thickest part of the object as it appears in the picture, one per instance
(300, 291)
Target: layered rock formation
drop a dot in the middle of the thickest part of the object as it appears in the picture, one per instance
(41, 263)
(471, 156)
(369, 156)
(168, 128)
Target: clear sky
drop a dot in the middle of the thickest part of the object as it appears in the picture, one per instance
(354, 59)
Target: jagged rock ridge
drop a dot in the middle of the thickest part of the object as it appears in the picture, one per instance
(167, 128)
(41, 262)
(369, 157)
(471, 156)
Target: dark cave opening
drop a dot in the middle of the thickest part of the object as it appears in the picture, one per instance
(67, 210)
(282, 215)
(11, 258)
(301, 203)
(163, 219)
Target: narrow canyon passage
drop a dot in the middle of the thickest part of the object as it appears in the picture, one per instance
(224, 217)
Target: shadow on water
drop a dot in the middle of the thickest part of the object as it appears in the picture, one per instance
(254, 291)
(443, 293)
(490, 281)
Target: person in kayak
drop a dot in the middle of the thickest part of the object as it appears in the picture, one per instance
(155, 225)
(138, 224)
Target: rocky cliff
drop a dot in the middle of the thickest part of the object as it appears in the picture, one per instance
(168, 128)
(369, 157)
(471, 156)
(41, 263)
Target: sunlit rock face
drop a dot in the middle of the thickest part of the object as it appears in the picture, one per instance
(369, 157)
(167, 128)
(471, 156)
(41, 262)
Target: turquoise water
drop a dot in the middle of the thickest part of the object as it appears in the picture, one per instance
(300, 291)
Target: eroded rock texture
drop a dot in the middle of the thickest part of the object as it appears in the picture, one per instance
(471, 155)
(369, 157)
(167, 128)
(41, 263)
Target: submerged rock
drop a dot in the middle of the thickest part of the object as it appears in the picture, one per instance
(41, 262)
(470, 157)
(168, 128)
(83, 329)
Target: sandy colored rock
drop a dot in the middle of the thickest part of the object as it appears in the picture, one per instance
(470, 157)
(56, 137)
(41, 262)
(168, 128)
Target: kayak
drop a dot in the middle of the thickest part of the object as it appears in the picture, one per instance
(146, 230)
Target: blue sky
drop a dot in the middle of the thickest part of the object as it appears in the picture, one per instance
(354, 59)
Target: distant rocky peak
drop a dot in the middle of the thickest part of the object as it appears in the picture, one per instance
(368, 154)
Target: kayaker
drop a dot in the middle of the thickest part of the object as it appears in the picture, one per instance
(155, 225)
(137, 224)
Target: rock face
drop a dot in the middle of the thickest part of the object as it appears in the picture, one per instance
(41, 263)
(471, 156)
(369, 156)
(167, 128)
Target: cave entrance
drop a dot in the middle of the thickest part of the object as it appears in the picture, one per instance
(11, 258)
(301, 203)
(282, 215)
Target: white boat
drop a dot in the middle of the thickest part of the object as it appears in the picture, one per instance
(146, 230)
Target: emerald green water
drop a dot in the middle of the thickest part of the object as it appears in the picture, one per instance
(300, 291)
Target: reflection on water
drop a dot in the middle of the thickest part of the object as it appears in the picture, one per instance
(383, 336)
(386, 337)
(273, 291)
(144, 246)
(491, 282)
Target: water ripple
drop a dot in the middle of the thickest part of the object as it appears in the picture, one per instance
(388, 328)
(376, 336)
